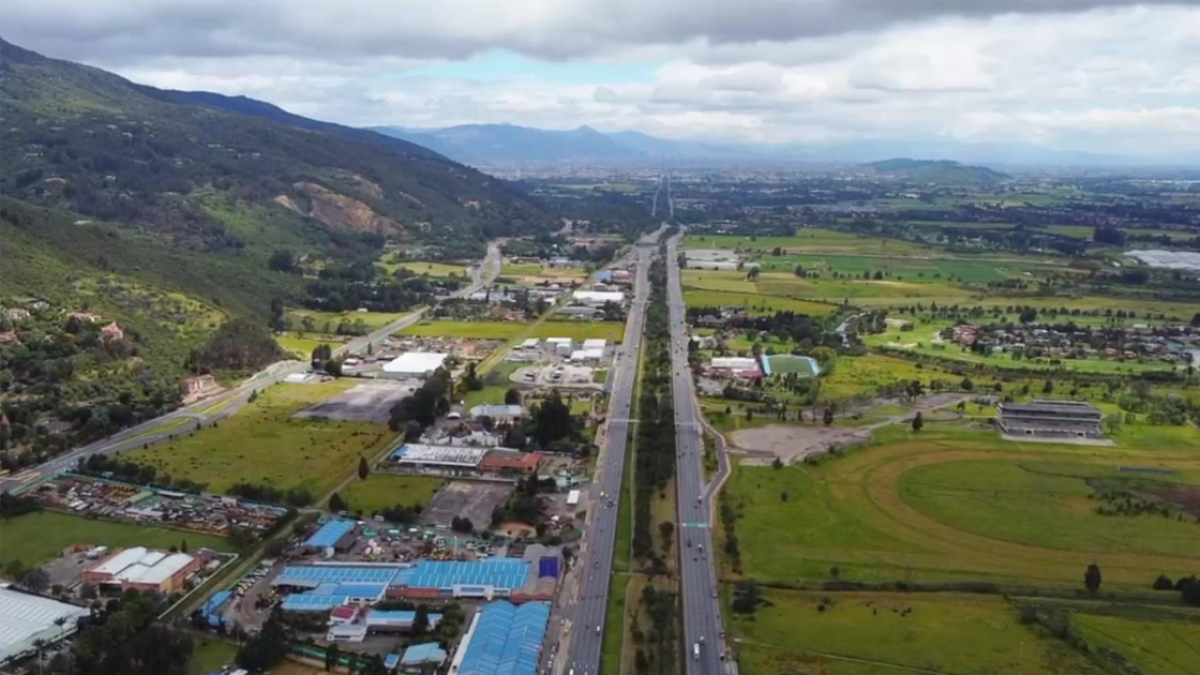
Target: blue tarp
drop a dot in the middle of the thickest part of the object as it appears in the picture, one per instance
(548, 567)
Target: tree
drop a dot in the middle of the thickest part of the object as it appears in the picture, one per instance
(1164, 583)
(336, 503)
(777, 463)
(420, 623)
(918, 422)
(1091, 578)
(471, 380)
(1048, 387)
(1196, 320)
(1028, 315)
(364, 469)
(268, 647)
(745, 596)
(666, 530)
(512, 397)
(282, 260)
(333, 654)
(799, 271)
(334, 367)
(966, 384)
(36, 580)
(828, 416)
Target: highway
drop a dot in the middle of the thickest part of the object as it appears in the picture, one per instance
(703, 633)
(587, 635)
(220, 406)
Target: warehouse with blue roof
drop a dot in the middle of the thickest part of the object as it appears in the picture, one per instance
(504, 639)
(337, 535)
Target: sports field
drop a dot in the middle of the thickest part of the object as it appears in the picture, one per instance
(853, 634)
(263, 443)
(957, 504)
(385, 490)
(36, 538)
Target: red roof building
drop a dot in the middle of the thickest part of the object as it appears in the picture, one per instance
(510, 461)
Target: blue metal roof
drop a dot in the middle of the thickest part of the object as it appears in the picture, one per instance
(507, 639)
(311, 602)
(426, 652)
(317, 575)
(361, 590)
(391, 661)
(506, 573)
(330, 533)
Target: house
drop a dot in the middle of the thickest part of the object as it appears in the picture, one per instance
(16, 314)
(112, 332)
(192, 386)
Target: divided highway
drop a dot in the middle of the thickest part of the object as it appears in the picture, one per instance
(702, 629)
(222, 405)
(587, 638)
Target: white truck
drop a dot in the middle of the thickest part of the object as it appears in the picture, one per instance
(696, 650)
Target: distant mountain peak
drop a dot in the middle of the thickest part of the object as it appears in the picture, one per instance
(936, 171)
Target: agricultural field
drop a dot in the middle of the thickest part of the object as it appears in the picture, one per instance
(430, 269)
(45, 534)
(956, 503)
(302, 345)
(530, 270)
(480, 330)
(1157, 647)
(807, 240)
(263, 443)
(753, 303)
(613, 331)
(386, 490)
(312, 321)
(852, 634)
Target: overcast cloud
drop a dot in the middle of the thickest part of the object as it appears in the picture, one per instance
(1100, 75)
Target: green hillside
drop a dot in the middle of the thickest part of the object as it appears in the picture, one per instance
(936, 171)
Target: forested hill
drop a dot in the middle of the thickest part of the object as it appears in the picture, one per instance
(213, 177)
(936, 171)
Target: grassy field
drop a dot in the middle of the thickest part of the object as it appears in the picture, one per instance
(373, 320)
(208, 656)
(1156, 647)
(852, 633)
(539, 271)
(759, 304)
(952, 505)
(481, 330)
(303, 344)
(495, 385)
(807, 240)
(920, 341)
(385, 490)
(613, 331)
(38, 537)
(431, 269)
(263, 443)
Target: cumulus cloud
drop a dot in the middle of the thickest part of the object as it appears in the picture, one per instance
(1103, 75)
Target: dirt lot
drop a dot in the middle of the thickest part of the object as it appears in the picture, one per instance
(473, 500)
(792, 443)
(367, 402)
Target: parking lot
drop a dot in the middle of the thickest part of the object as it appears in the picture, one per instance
(367, 402)
(473, 500)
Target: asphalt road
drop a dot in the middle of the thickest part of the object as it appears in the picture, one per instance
(587, 636)
(702, 628)
(216, 408)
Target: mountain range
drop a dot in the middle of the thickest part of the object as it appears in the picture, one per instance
(509, 144)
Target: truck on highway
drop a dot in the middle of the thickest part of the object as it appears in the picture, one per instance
(696, 650)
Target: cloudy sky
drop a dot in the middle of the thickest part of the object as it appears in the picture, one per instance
(1097, 75)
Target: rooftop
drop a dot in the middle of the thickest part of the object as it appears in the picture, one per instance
(505, 573)
(412, 453)
(330, 533)
(507, 639)
(426, 652)
(415, 362)
(25, 618)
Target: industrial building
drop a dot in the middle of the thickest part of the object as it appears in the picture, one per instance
(1050, 420)
(441, 457)
(335, 535)
(598, 297)
(511, 462)
(29, 620)
(142, 569)
(499, 413)
(419, 657)
(414, 365)
(352, 623)
(503, 639)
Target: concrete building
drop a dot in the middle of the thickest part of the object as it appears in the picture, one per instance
(439, 457)
(28, 620)
(595, 343)
(414, 365)
(142, 569)
(190, 386)
(1050, 419)
(499, 413)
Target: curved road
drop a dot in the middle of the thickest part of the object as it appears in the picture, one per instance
(226, 403)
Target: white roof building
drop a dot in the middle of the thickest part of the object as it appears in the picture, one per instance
(497, 412)
(414, 364)
(598, 297)
(25, 619)
(735, 363)
(439, 455)
(595, 343)
(559, 340)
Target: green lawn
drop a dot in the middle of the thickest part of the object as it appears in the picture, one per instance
(807, 240)
(1156, 647)
(496, 384)
(385, 490)
(481, 330)
(613, 331)
(758, 304)
(303, 344)
(373, 320)
(896, 633)
(614, 625)
(208, 656)
(432, 269)
(36, 538)
(263, 443)
(950, 505)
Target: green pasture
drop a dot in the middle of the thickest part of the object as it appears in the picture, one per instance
(385, 490)
(430, 269)
(480, 330)
(1156, 647)
(264, 443)
(302, 345)
(295, 318)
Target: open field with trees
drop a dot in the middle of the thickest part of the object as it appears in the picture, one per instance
(481, 330)
(386, 490)
(262, 444)
(960, 504)
(432, 269)
(35, 538)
